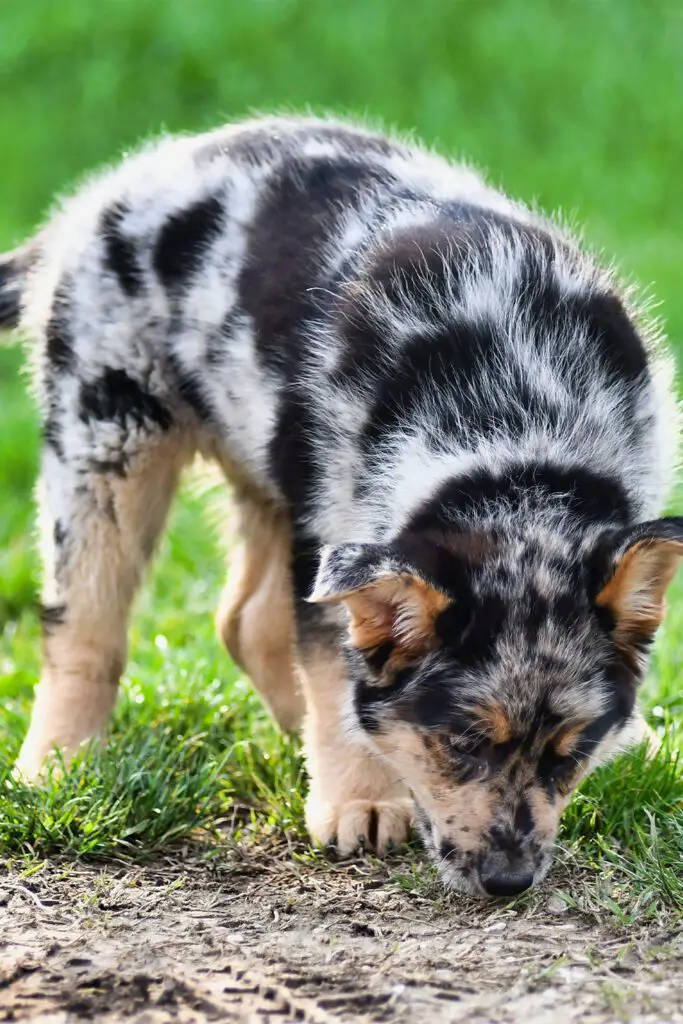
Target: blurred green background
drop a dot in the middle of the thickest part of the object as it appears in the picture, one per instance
(575, 104)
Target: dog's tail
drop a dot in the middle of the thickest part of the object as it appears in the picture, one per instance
(14, 267)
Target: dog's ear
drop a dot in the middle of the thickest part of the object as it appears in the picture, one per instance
(632, 570)
(388, 600)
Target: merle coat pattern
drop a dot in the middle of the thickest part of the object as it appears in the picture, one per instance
(449, 434)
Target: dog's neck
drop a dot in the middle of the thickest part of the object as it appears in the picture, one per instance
(550, 504)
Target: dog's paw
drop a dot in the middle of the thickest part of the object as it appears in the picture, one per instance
(363, 825)
(34, 765)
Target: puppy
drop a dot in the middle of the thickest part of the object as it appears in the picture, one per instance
(449, 435)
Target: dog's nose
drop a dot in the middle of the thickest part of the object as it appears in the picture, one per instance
(506, 883)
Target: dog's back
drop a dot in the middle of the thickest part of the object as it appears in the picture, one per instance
(358, 320)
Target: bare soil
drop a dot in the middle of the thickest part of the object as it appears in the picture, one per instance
(259, 938)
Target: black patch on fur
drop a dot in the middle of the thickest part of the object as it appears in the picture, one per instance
(305, 561)
(544, 719)
(120, 253)
(504, 839)
(614, 718)
(378, 657)
(294, 467)
(52, 435)
(447, 850)
(190, 389)
(51, 616)
(458, 356)
(59, 533)
(566, 608)
(605, 617)
(524, 821)
(429, 703)
(418, 264)
(476, 645)
(59, 340)
(184, 239)
(552, 768)
(250, 146)
(14, 267)
(370, 701)
(10, 302)
(109, 467)
(613, 335)
(277, 285)
(292, 457)
(116, 397)
(431, 706)
(59, 347)
(588, 496)
(536, 616)
(367, 711)
(453, 622)
(429, 553)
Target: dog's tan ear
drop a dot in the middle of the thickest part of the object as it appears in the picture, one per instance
(387, 601)
(642, 567)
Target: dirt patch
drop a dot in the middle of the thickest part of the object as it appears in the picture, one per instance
(265, 940)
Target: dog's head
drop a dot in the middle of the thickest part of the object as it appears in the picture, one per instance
(495, 673)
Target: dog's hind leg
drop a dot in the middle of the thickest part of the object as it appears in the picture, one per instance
(255, 617)
(99, 524)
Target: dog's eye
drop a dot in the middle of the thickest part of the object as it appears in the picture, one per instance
(473, 765)
(557, 771)
(562, 773)
(472, 769)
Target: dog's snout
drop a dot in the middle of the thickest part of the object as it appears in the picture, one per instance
(506, 882)
(504, 840)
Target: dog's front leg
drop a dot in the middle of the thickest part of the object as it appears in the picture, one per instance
(355, 799)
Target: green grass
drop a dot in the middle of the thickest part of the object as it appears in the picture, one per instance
(576, 105)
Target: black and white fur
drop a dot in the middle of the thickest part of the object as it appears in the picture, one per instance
(404, 370)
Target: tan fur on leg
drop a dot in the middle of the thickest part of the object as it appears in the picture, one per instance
(355, 797)
(89, 586)
(255, 615)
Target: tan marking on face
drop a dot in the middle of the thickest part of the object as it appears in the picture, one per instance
(460, 812)
(564, 742)
(495, 722)
(546, 813)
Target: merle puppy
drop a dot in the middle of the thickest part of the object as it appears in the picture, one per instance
(448, 433)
